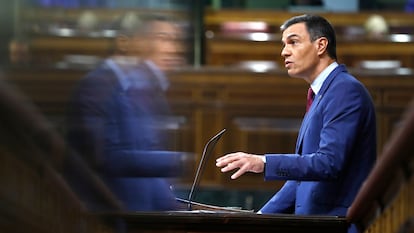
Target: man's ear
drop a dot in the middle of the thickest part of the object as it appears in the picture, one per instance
(123, 44)
(322, 45)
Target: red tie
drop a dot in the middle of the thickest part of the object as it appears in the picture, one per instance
(310, 97)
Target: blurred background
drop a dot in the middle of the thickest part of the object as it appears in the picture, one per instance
(231, 76)
(25, 22)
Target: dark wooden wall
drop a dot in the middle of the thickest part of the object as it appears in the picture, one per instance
(385, 203)
(231, 45)
(34, 196)
(261, 111)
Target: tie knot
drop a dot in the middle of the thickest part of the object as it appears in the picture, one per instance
(311, 94)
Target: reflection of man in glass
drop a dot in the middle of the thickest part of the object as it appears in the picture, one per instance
(116, 111)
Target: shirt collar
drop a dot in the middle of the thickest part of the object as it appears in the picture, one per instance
(125, 70)
(316, 85)
(119, 73)
(159, 75)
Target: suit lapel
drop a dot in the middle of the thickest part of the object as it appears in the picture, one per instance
(318, 98)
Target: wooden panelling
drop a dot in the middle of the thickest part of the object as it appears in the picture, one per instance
(34, 200)
(384, 203)
(220, 46)
(52, 49)
(225, 47)
(232, 51)
(34, 196)
(261, 111)
(276, 18)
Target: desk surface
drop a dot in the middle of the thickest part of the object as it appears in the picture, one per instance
(198, 221)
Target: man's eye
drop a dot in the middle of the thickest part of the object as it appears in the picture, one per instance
(159, 36)
(163, 37)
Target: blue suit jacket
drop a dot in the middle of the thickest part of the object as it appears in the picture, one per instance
(335, 151)
(114, 129)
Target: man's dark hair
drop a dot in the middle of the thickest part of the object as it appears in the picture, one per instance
(131, 23)
(317, 27)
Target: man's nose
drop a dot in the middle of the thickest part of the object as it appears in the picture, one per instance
(172, 46)
(284, 51)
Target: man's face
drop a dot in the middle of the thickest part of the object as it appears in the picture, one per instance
(300, 54)
(163, 45)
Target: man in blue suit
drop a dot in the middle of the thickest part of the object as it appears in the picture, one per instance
(116, 114)
(336, 145)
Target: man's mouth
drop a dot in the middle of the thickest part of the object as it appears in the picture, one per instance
(288, 63)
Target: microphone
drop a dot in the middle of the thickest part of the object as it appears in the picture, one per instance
(208, 148)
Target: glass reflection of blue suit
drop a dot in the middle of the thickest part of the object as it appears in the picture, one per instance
(113, 123)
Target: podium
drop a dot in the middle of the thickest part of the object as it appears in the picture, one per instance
(225, 221)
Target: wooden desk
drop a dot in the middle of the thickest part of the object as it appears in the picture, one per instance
(227, 222)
